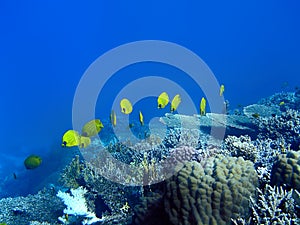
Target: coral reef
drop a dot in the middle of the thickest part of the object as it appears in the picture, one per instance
(209, 193)
(273, 206)
(257, 111)
(241, 146)
(262, 152)
(177, 137)
(212, 194)
(233, 124)
(286, 126)
(21, 210)
(151, 210)
(71, 175)
(39, 223)
(77, 206)
(107, 199)
(183, 173)
(291, 100)
(286, 170)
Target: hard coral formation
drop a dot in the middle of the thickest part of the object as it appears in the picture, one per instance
(151, 210)
(232, 123)
(105, 197)
(77, 206)
(38, 223)
(176, 137)
(286, 170)
(286, 126)
(274, 205)
(262, 152)
(291, 100)
(72, 174)
(261, 110)
(21, 210)
(241, 146)
(212, 194)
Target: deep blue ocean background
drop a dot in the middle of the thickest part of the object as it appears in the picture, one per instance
(253, 47)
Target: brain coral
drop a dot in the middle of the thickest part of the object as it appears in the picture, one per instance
(286, 170)
(211, 194)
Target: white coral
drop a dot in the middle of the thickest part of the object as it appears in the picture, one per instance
(273, 206)
(76, 205)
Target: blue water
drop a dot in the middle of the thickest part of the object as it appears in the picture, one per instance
(46, 46)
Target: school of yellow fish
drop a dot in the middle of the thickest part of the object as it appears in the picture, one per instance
(72, 138)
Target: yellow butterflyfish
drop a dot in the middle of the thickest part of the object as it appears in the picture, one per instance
(222, 89)
(70, 138)
(175, 102)
(162, 100)
(113, 118)
(126, 106)
(84, 141)
(203, 107)
(141, 119)
(92, 128)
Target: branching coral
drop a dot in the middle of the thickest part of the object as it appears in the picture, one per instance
(77, 206)
(242, 146)
(72, 173)
(22, 210)
(273, 206)
(285, 126)
(262, 152)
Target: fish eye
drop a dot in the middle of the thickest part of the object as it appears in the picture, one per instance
(65, 143)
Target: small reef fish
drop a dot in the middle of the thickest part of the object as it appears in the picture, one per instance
(175, 102)
(32, 162)
(84, 141)
(281, 103)
(162, 100)
(70, 138)
(113, 118)
(92, 128)
(222, 89)
(203, 107)
(256, 115)
(15, 176)
(141, 117)
(126, 106)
